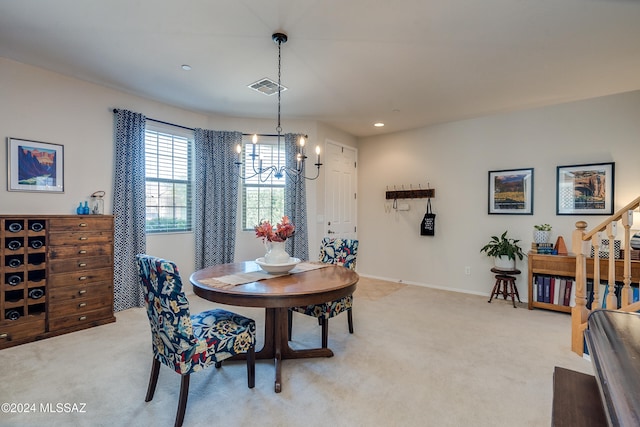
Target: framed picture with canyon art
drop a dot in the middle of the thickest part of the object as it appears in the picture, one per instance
(35, 166)
(585, 189)
(511, 192)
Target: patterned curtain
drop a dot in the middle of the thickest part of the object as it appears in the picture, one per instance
(128, 208)
(216, 196)
(295, 202)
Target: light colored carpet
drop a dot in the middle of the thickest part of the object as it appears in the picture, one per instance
(418, 357)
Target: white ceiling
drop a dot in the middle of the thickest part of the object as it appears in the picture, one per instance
(348, 63)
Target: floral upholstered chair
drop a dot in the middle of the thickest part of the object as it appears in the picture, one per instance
(187, 343)
(340, 252)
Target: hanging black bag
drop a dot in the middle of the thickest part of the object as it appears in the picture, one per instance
(428, 226)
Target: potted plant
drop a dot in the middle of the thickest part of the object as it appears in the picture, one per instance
(504, 250)
(541, 233)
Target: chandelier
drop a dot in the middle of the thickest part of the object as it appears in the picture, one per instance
(278, 171)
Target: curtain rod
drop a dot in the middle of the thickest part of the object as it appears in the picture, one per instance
(115, 110)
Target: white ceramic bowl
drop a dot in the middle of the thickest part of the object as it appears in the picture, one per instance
(278, 268)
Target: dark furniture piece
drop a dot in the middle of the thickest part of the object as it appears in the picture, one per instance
(610, 396)
(56, 275)
(505, 285)
(189, 343)
(276, 295)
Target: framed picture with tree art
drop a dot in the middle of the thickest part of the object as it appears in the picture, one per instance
(511, 192)
(585, 189)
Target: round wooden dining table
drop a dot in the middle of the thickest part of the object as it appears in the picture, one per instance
(276, 294)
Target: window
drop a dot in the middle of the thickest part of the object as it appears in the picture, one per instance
(168, 179)
(262, 200)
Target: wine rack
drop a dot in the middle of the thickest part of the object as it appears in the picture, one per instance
(56, 275)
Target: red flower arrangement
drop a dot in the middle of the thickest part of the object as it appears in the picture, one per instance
(282, 231)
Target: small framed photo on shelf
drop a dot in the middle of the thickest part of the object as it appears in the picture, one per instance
(585, 189)
(35, 166)
(511, 192)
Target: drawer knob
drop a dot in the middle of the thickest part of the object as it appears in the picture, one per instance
(82, 264)
(82, 238)
(82, 224)
(82, 278)
(82, 304)
(82, 252)
(82, 318)
(3, 336)
(82, 291)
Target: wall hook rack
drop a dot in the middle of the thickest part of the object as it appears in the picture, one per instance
(411, 193)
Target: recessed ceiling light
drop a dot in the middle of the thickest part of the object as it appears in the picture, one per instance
(186, 67)
(378, 125)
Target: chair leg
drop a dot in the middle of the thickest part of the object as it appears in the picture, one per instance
(350, 320)
(182, 400)
(251, 367)
(153, 380)
(325, 331)
(218, 365)
(290, 323)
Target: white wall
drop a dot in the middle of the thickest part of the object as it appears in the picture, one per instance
(44, 106)
(455, 159)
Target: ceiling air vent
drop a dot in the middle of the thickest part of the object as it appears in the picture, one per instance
(267, 86)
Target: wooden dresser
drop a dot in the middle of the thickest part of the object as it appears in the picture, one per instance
(56, 275)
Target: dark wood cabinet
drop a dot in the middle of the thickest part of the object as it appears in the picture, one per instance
(56, 274)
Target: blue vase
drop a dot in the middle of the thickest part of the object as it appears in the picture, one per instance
(79, 209)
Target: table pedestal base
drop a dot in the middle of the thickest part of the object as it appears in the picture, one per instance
(276, 344)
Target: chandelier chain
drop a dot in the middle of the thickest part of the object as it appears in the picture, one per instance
(294, 173)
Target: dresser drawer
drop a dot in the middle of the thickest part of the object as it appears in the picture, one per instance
(80, 238)
(81, 223)
(79, 306)
(80, 251)
(20, 329)
(79, 264)
(80, 277)
(80, 319)
(80, 292)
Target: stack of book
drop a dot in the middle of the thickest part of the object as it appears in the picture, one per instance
(554, 290)
(542, 248)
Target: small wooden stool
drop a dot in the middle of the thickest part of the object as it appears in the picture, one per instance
(505, 285)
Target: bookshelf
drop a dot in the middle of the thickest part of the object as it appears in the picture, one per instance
(565, 266)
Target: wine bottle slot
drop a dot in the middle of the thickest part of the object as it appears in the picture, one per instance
(14, 245)
(14, 280)
(15, 227)
(12, 315)
(15, 262)
(36, 293)
(37, 226)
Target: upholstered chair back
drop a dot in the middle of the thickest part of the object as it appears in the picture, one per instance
(339, 251)
(168, 311)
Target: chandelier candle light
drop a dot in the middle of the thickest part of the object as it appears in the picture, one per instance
(278, 171)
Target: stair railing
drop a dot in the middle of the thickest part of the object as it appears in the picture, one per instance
(581, 246)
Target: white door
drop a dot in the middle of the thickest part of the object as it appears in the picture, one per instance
(340, 191)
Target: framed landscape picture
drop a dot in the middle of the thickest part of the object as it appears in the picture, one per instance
(35, 166)
(511, 192)
(585, 189)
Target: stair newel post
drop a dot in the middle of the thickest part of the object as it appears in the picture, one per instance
(579, 312)
(612, 301)
(625, 294)
(595, 243)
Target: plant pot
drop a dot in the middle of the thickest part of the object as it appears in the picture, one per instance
(504, 263)
(541, 236)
